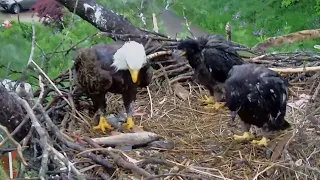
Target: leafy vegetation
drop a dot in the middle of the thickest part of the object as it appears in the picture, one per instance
(16, 45)
(253, 21)
(16, 41)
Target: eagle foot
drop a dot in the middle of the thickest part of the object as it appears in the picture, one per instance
(263, 142)
(245, 136)
(129, 124)
(103, 125)
(215, 106)
(207, 100)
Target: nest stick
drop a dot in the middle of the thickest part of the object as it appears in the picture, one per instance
(155, 24)
(61, 157)
(17, 129)
(228, 31)
(151, 104)
(59, 135)
(40, 131)
(166, 76)
(157, 54)
(130, 139)
(296, 70)
(19, 148)
(47, 77)
(120, 161)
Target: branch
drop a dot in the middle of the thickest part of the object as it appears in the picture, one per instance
(138, 138)
(296, 70)
(19, 148)
(102, 18)
(119, 160)
(287, 39)
(41, 132)
(97, 159)
(228, 31)
(155, 23)
(126, 37)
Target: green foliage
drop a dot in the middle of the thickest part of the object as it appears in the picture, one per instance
(253, 21)
(286, 3)
(16, 42)
(16, 46)
(317, 6)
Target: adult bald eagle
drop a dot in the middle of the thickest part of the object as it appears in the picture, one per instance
(259, 96)
(118, 68)
(211, 57)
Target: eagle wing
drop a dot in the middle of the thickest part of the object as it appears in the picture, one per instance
(92, 70)
(274, 92)
(219, 62)
(105, 52)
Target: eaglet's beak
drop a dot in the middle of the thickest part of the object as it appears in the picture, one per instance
(134, 75)
(177, 53)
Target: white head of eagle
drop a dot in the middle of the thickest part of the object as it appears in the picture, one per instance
(131, 56)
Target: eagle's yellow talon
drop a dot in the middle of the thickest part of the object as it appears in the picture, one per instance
(103, 125)
(215, 106)
(207, 100)
(245, 136)
(129, 124)
(263, 142)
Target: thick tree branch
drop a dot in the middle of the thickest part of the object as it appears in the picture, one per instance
(104, 19)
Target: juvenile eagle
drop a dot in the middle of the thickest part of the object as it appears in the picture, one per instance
(259, 96)
(117, 68)
(211, 57)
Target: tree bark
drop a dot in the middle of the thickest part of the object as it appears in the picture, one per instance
(102, 18)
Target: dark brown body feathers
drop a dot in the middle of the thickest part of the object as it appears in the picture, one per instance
(96, 76)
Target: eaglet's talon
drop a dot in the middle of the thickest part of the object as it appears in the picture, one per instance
(129, 124)
(263, 142)
(207, 100)
(103, 125)
(215, 106)
(245, 136)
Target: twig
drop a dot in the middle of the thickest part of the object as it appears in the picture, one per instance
(19, 148)
(155, 24)
(198, 171)
(166, 77)
(296, 70)
(151, 104)
(177, 175)
(32, 44)
(120, 161)
(65, 161)
(41, 132)
(228, 31)
(266, 169)
(17, 129)
(187, 23)
(128, 36)
(75, 146)
(41, 85)
(157, 54)
(316, 92)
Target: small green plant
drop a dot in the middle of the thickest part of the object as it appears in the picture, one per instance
(286, 3)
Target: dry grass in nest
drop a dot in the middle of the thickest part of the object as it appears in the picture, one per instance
(203, 139)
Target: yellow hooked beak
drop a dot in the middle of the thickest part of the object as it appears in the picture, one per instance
(177, 53)
(134, 75)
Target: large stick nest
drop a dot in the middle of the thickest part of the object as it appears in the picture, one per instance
(186, 142)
